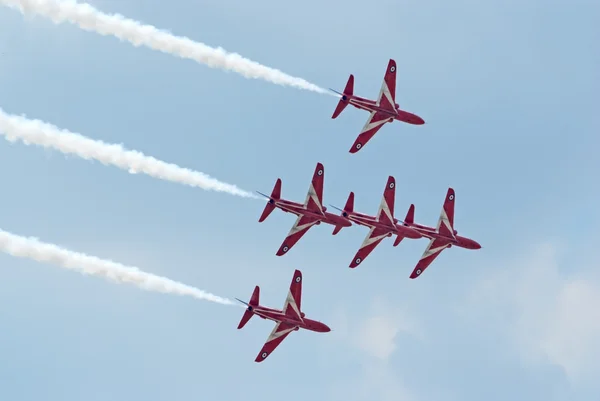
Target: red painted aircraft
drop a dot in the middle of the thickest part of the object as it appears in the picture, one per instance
(310, 213)
(441, 237)
(384, 110)
(383, 225)
(290, 318)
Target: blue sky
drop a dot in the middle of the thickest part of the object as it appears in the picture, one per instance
(509, 93)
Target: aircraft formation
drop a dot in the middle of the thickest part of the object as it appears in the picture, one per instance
(384, 109)
(382, 225)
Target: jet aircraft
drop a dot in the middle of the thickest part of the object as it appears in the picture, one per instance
(383, 110)
(290, 318)
(383, 225)
(442, 237)
(311, 213)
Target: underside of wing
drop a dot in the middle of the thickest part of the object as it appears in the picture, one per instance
(387, 93)
(445, 224)
(385, 213)
(293, 302)
(314, 197)
(435, 247)
(374, 123)
(374, 237)
(300, 227)
(279, 333)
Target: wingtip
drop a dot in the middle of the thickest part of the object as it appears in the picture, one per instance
(391, 182)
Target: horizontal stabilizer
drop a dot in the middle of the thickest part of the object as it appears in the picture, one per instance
(349, 207)
(344, 101)
(248, 313)
(410, 215)
(270, 206)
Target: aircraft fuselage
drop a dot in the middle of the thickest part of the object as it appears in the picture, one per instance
(371, 106)
(372, 222)
(278, 316)
(430, 232)
(299, 209)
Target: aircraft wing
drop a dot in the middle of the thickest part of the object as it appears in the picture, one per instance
(279, 333)
(445, 225)
(300, 227)
(385, 214)
(435, 247)
(374, 237)
(376, 120)
(387, 93)
(293, 303)
(314, 197)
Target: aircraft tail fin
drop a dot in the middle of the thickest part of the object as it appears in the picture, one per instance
(408, 220)
(348, 92)
(270, 206)
(349, 207)
(248, 313)
(410, 215)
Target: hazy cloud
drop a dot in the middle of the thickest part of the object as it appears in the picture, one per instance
(549, 309)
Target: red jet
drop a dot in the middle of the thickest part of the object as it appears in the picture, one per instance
(310, 213)
(383, 225)
(441, 237)
(384, 110)
(288, 319)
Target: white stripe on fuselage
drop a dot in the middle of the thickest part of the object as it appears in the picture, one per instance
(371, 107)
(368, 221)
(298, 210)
(433, 234)
(278, 318)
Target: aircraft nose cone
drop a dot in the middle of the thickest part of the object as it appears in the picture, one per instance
(320, 327)
(419, 120)
(475, 245)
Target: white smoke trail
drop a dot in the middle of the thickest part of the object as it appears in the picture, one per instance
(32, 248)
(49, 136)
(89, 18)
